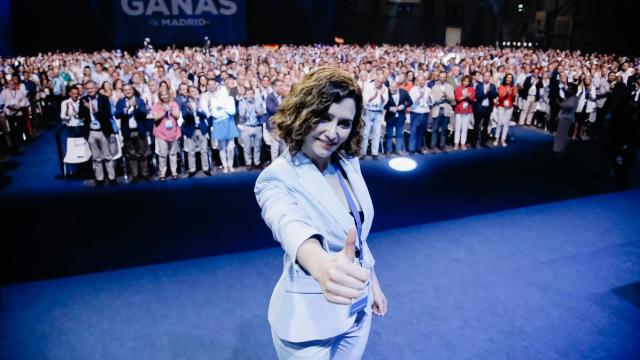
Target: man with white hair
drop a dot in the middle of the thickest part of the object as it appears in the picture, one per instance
(420, 94)
(441, 112)
(395, 117)
(95, 112)
(374, 97)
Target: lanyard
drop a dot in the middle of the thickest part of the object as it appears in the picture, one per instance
(354, 211)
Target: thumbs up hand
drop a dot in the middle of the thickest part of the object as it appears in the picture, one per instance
(340, 278)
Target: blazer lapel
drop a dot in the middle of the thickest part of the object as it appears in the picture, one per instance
(362, 194)
(313, 181)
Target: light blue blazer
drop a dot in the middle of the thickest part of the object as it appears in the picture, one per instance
(297, 203)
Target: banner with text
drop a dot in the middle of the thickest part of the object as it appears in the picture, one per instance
(180, 22)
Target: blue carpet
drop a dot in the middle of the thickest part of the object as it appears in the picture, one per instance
(553, 281)
(67, 228)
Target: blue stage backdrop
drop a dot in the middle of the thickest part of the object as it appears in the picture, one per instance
(168, 22)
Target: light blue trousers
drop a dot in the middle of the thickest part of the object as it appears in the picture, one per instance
(347, 346)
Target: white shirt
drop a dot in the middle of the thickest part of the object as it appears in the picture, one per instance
(69, 112)
(378, 102)
(396, 100)
(420, 98)
(99, 78)
(218, 105)
(13, 97)
(93, 108)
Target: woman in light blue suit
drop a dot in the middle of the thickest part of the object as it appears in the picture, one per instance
(322, 304)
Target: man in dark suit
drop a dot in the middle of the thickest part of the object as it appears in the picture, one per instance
(95, 111)
(132, 112)
(395, 117)
(486, 92)
(555, 95)
(195, 129)
(272, 102)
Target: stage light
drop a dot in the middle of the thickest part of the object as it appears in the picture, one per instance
(530, 44)
(508, 43)
(518, 43)
(520, 8)
(402, 164)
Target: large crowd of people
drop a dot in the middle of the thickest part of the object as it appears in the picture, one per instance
(157, 111)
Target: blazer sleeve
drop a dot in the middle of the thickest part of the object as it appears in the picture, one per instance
(141, 110)
(479, 92)
(472, 94)
(388, 104)
(282, 214)
(83, 111)
(120, 113)
(408, 101)
(458, 94)
(104, 108)
(272, 104)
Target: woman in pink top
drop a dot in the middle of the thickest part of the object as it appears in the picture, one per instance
(167, 132)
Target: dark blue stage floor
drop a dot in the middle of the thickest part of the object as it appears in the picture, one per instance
(553, 281)
(67, 228)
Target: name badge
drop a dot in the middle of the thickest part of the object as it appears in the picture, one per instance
(168, 124)
(485, 102)
(465, 105)
(507, 103)
(360, 303)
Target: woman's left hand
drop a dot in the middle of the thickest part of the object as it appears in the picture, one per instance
(379, 306)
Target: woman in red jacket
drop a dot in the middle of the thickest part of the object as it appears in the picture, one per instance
(465, 95)
(506, 97)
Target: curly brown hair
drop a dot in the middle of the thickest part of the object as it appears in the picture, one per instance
(309, 101)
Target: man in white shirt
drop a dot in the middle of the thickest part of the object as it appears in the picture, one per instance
(250, 110)
(528, 93)
(15, 104)
(69, 112)
(374, 97)
(100, 75)
(420, 94)
(78, 150)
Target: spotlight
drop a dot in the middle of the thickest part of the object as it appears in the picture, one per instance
(518, 43)
(508, 43)
(402, 164)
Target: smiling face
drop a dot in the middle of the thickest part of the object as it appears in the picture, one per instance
(128, 91)
(91, 88)
(164, 96)
(330, 132)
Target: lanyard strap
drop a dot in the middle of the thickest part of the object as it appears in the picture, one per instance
(354, 211)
